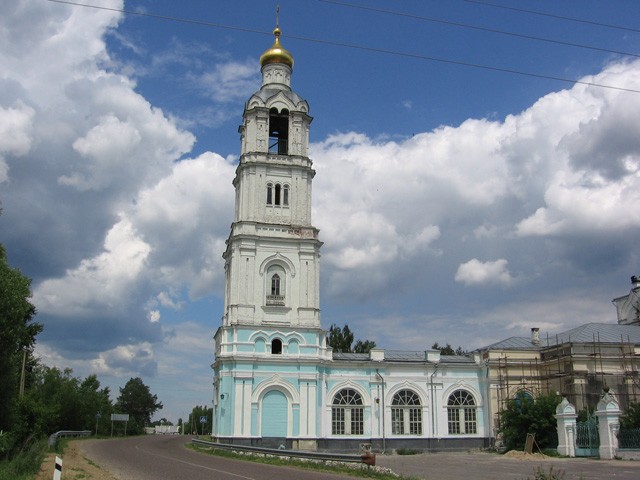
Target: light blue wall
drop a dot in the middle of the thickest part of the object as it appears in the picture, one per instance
(329, 378)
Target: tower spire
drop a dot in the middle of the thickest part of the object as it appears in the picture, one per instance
(277, 53)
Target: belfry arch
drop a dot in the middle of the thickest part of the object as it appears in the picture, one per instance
(279, 131)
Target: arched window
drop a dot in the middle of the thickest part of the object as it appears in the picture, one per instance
(278, 131)
(461, 413)
(285, 195)
(406, 413)
(277, 196)
(522, 397)
(347, 413)
(276, 346)
(275, 287)
(275, 284)
(269, 194)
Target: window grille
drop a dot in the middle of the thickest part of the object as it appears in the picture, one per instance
(461, 413)
(406, 413)
(347, 413)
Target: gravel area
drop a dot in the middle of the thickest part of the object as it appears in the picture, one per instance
(75, 465)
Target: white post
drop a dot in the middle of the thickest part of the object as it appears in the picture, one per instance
(566, 417)
(57, 470)
(608, 413)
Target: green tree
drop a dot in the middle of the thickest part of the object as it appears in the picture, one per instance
(631, 417)
(448, 349)
(17, 338)
(136, 400)
(364, 346)
(341, 340)
(524, 415)
(56, 400)
(95, 406)
(193, 426)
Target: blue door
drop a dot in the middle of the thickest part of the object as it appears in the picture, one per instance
(274, 414)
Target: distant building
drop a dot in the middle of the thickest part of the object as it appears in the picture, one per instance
(628, 307)
(578, 364)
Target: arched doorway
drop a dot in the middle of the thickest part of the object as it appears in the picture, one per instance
(274, 414)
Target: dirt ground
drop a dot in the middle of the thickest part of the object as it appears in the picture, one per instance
(75, 466)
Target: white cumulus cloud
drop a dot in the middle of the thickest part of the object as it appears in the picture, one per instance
(475, 272)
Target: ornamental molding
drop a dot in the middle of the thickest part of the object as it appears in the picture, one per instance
(278, 259)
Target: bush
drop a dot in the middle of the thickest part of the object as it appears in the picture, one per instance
(631, 418)
(525, 415)
(407, 451)
(540, 474)
(26, 463)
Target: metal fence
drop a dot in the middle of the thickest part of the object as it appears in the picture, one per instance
(629, 438)
(587, 437)
(53, 438)
(366, 458)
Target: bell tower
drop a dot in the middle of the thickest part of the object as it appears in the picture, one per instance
(273, 251)
(266, 383)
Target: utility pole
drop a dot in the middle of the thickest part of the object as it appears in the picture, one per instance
(22, 373)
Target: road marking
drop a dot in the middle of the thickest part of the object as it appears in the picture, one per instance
(192, 464)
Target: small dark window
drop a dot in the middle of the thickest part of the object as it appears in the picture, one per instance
(278, 190)
(269, 194)
(276, 346)
(285, 195)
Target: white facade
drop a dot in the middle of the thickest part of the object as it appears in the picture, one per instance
(275, 380)
(628, 307)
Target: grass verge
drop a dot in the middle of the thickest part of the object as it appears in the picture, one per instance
(353, 470)
(26, 463)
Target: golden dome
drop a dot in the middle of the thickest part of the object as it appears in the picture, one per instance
(276, 54)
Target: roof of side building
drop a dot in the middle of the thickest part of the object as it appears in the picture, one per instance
(587, 333)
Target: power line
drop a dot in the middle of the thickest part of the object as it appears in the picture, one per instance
(476, 27)
(164, 17)
(353, 46)
(545, 14)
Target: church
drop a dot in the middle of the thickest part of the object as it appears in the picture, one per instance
(276, 381)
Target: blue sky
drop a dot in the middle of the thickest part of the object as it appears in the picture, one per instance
(457, 204)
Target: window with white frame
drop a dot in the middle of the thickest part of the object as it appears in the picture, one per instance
(275, 287)
(277, 194)
(461, 413)
(347, 413)
(406, 413)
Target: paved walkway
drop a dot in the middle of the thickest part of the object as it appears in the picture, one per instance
(489, 466)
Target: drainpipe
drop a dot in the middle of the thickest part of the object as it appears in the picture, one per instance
(384, 440)
(433, 407)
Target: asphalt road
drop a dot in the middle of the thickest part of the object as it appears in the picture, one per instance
(163, 457)
(490, 466)
(157, 457)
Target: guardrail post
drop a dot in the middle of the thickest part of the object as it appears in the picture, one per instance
(57, 470)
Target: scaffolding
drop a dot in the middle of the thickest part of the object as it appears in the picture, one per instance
(578, 371)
